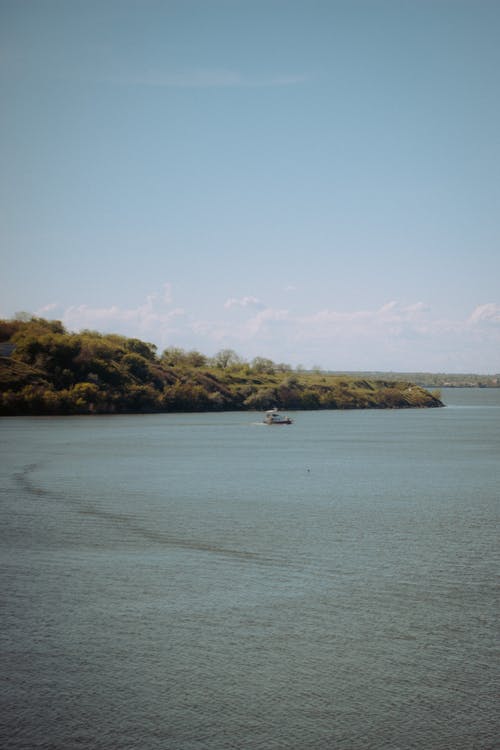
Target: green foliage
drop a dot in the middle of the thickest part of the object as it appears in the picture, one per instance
(226, 358)
(261, 364)
(7, 329)
(141, 398)
(263, 398)
(175, 357)
(185, 397)
(51, 371)
(136, 366)
(196, 359)
(148, 351)
(82, 397)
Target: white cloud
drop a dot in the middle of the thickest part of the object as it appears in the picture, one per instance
(489, 313)
(418, 307)
(242, 302)
(167, 293)
(155, 318)
(144, 315)
(259, 324)
(389, 337)
(47, 309)
(392, 337)
(326, 323)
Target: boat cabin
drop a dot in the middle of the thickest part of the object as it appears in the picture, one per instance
(274, 417)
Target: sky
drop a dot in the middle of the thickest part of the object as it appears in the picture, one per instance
(313, 181)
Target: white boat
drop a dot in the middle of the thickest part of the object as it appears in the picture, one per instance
(274, 417)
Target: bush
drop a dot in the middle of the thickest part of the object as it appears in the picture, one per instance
(264, 398)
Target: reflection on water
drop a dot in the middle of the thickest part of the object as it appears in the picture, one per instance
(202, 581)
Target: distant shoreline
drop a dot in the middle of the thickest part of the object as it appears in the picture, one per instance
(429, 379)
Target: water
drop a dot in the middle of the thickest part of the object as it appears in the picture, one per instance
(202, 582)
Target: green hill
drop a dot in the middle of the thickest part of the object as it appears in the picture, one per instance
(47, 370)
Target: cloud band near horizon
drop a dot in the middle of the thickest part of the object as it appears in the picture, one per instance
(393, 336)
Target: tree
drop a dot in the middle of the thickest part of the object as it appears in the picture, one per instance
(7, 329)
(83, 397)
(226, 358)
(143, 348)
(283, 367)
(185, 397)
(264, 398)
(195, 359)
(173, 356)
(261, 364)
(23, 317)
(136, 365)
(49, 350)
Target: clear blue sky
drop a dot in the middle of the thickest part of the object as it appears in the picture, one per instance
(312, 181)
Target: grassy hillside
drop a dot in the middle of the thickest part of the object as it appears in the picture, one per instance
(46, 370)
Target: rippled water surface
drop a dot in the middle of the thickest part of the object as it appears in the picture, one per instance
(179, 582)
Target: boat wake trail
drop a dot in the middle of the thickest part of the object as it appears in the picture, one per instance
(129, 525)
(24, 480)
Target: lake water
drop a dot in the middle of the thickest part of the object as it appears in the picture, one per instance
(203, 582)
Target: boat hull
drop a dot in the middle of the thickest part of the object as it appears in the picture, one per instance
(273, 417)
